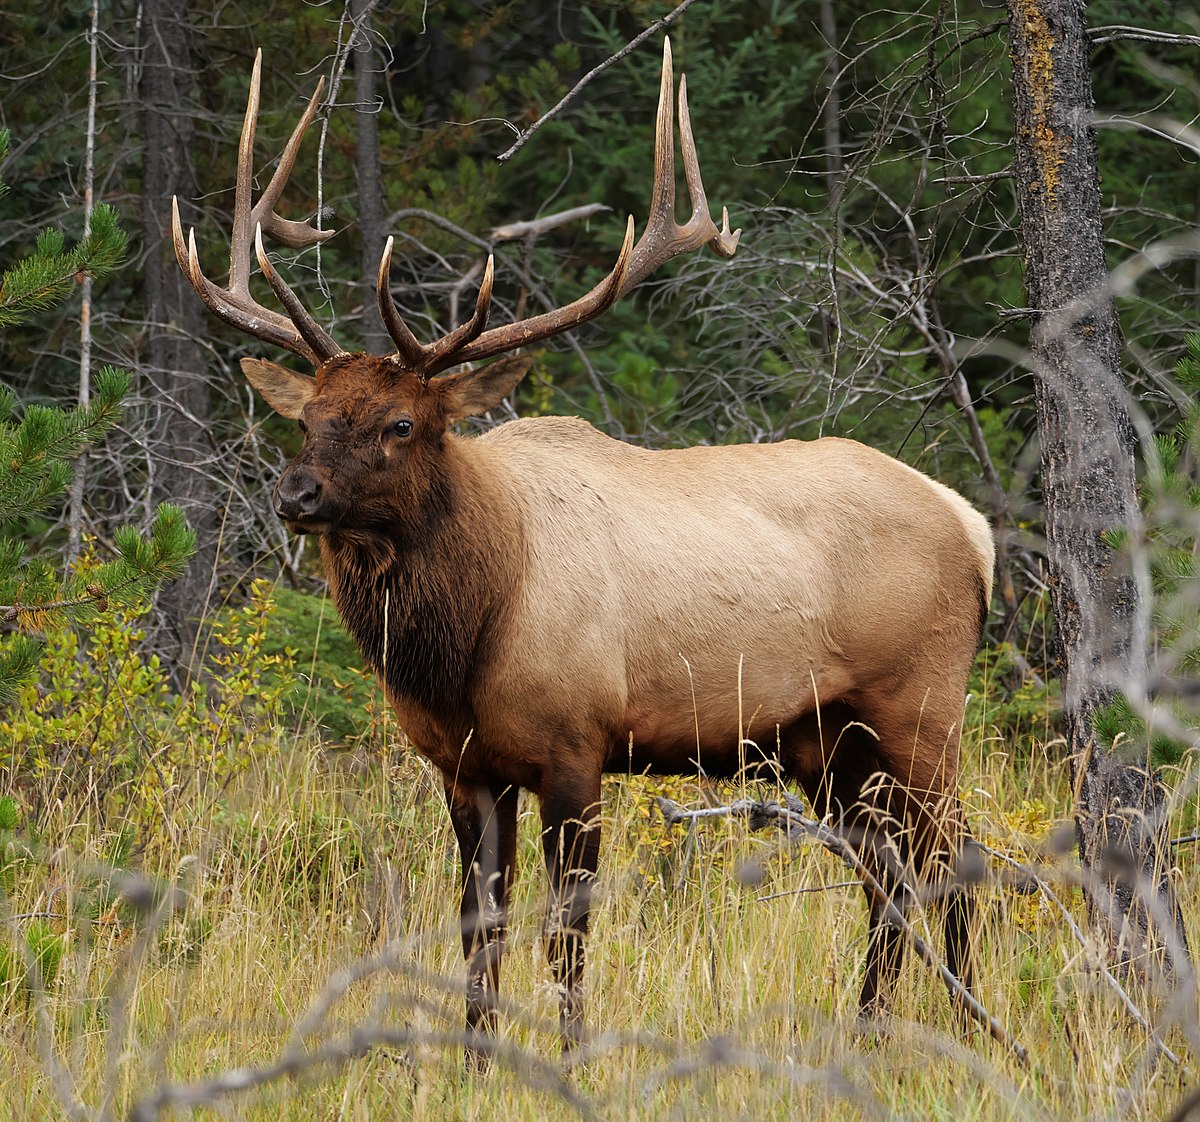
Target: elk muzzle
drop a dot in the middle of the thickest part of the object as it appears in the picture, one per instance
(301, 501)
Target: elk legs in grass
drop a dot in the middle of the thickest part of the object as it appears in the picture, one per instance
(485, 824)
(571, 845)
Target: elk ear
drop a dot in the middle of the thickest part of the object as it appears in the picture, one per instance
(286, 391)
(476, 391)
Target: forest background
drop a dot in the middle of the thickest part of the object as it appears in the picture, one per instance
(877, 294)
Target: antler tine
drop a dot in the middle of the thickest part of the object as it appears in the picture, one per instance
(247, 316)
(513, 336)
(722, 241)
(663, 237)
(428, 358)
(294, 235)
(407, 346)
(312, 332)
(662, 191)
(243, 230)
(300, 333)
(450, 345)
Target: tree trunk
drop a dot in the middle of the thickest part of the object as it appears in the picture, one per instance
(173, 374)
(1088, 479)
(75, 512)
(367, 170)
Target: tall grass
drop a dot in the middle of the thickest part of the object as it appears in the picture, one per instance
(311, 908)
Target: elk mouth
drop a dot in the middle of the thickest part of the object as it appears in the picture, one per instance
(308, 526)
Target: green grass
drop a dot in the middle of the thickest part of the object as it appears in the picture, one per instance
(707, 999)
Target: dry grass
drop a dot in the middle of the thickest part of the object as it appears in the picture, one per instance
(707, 999)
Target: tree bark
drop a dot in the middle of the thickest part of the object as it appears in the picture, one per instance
(1088, 480)
(173, 375)
(367, 170)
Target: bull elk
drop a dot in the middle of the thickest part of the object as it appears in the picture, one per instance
(543, 604)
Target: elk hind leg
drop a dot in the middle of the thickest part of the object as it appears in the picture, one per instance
(836, 759)
(878, 838)
(919, 754)
(571, 845)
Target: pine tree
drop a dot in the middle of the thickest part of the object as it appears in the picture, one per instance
(37, 445)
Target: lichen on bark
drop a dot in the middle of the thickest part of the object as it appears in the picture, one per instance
(1033, 51)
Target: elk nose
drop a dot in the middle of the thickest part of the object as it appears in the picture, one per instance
(298, 494)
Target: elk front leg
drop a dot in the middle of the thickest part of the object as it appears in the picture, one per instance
(485, 824)
(571, 843)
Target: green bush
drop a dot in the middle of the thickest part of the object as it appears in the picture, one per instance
(101, 721)
(330, 684)
(1008, 703)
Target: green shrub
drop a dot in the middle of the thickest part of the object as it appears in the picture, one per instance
(330, 684)
(101, 721)
(1008, 703)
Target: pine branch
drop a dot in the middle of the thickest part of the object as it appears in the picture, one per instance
(143, 563)
(34, 453)
(50, 274)
(35, 465)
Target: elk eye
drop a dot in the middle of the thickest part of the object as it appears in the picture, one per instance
(302, 425)
(403, 427)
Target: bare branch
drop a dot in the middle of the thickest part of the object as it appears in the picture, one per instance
(793, 822)
(1119, 32)
(538, 226)
(629, 47)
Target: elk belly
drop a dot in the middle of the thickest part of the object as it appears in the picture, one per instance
(731, 723)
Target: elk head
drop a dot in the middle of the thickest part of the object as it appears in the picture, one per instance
(374, 425)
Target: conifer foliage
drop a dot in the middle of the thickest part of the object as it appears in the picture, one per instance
(37, 444)
(1168, 550)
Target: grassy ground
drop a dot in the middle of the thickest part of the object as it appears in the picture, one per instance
(314, 911)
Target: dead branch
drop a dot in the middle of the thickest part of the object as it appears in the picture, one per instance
(791, 820)
(353, 1045)
(538, 226)
(1118, 32)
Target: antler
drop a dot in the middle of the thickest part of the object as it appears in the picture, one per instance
(662, 239)
(297, 332)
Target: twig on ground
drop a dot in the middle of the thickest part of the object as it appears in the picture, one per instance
(808, 888)
(721, 1051)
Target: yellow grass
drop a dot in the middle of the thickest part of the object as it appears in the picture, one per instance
(706, 999)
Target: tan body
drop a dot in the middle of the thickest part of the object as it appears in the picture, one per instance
(666, 605)
(570, 605)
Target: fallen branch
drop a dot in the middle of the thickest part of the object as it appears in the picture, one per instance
(794, 822)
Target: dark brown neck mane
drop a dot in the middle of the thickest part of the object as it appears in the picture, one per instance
(421, 600)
